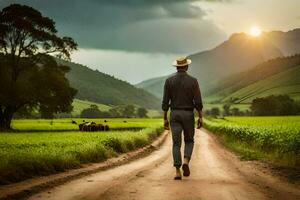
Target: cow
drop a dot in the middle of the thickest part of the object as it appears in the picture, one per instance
(93, 126)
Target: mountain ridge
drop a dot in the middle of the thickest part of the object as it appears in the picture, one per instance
(239, 53)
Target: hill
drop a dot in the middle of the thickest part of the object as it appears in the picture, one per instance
(80, 105)
(154, 86)
(238, 54)
(101, 88)
(287, 82)
(277, 76)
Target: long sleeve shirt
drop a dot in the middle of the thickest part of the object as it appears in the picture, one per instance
(181, 91)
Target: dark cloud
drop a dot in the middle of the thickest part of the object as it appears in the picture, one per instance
(134, 25)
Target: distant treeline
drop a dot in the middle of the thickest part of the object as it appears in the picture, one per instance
(127, 111)
(280, 105)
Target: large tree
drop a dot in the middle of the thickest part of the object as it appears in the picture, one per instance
(29, 74)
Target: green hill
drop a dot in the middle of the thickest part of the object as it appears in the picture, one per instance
(286, 82)
(274, 77)
(101, 88)
(80, 105)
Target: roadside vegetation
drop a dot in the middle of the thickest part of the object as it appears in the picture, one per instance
(42, 147)
(276, 139)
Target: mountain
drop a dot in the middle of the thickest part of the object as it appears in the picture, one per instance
(98, 87)
(154, 86)
(287, 42)
(276, 76)
(239, 53)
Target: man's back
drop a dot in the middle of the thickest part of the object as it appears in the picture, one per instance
(181, 92)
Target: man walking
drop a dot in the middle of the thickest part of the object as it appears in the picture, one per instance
(182, 95)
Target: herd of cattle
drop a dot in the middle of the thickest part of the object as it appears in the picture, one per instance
(93, 126)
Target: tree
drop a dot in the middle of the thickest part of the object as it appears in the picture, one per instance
(128, 111)
(142, 112)
(215, 111)
(236, 112)
(115, 112)
(91, 112)
(274, 105)
(226, 108)
(29, 76)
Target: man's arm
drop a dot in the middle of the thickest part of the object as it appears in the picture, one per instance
(166, 121)
(198, 104)
(166, 105)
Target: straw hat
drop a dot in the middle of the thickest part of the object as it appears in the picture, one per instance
(180, 62)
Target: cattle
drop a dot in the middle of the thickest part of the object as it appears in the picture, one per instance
(92, 126)
(74, 122)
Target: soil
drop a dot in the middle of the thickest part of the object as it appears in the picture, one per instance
(216, 173)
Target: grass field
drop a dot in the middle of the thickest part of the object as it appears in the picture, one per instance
(39, 125)
(40, 147)
(273, 138)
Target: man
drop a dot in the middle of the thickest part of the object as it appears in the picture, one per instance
(182, 95)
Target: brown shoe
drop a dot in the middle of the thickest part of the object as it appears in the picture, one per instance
(186, 170)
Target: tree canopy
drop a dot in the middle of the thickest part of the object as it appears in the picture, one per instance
(275, 105)
(29, 75)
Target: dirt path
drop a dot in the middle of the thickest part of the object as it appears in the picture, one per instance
(215, 174)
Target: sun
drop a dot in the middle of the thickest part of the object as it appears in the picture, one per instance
(255, 31)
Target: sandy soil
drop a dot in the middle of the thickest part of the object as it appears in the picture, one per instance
(216, 173)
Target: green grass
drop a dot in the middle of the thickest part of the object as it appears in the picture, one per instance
(272, 138)
(41, 147)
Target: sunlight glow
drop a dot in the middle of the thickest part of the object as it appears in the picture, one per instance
(255, 31)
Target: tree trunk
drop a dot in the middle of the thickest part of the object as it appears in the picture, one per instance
(5, 118)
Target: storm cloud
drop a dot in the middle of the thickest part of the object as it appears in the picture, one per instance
(165, 26)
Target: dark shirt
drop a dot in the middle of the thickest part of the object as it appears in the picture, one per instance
(181, 91)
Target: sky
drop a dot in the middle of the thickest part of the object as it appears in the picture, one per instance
(135, 40)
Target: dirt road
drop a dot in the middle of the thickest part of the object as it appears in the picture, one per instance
(215, 174)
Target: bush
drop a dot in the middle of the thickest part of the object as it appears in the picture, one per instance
(275, 106)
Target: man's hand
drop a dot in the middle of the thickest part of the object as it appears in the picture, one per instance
(199, 123)
(166, 124)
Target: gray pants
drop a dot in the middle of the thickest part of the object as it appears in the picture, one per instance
(182, 120)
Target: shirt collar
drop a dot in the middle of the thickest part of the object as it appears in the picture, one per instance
(181, 72)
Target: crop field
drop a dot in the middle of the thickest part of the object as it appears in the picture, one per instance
(41, 147)
(273, 138)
